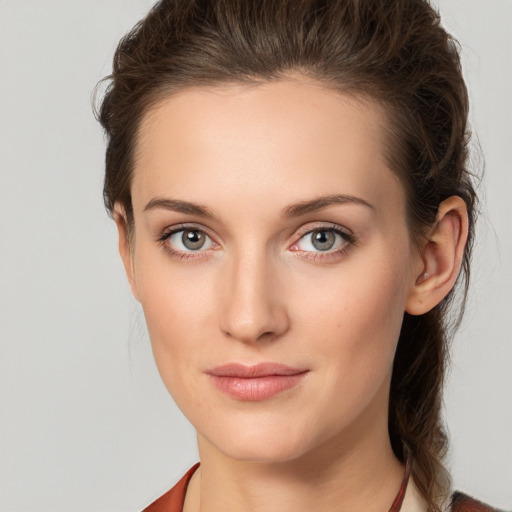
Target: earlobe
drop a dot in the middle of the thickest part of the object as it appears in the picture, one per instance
(441, 256)
(125, 246)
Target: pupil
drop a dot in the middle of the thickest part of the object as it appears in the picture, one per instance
(323, 240)
(193, 239)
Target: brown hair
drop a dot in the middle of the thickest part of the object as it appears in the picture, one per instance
(395, 52)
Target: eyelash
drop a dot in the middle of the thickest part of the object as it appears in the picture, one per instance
(166, 235)
(350, 241)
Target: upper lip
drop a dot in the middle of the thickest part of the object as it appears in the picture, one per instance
(257, 370)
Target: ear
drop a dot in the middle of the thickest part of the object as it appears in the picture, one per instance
(441, 257)
(125, 246)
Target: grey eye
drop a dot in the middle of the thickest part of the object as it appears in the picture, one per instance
(190, 240)
(193, 239)
(323, 240)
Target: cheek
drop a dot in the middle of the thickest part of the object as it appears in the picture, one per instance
(177, 309)
(355, 318)
(363, 299)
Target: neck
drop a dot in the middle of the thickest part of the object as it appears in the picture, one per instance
(353, 471)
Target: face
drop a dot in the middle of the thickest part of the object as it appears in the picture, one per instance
(269, 229)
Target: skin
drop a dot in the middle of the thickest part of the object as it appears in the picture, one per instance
(259, 290)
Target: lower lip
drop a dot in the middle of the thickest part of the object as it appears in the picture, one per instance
(256, 388)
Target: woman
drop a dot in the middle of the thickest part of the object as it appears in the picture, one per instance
(294, 209)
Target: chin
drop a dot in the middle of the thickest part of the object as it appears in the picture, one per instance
(263, 444)
(263, 452)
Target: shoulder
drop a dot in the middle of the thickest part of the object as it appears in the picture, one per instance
(172, 500)
(461, 502)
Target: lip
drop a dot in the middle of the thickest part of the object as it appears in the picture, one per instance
(256, 382)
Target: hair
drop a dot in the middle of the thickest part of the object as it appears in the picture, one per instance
(395, 52)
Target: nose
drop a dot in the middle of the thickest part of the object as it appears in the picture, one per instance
(253, 306)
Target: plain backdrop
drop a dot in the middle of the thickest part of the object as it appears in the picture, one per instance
(85, 423)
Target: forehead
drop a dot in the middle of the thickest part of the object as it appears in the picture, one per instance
(290, 137)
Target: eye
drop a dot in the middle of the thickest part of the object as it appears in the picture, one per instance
(323, 240)
(188, 240)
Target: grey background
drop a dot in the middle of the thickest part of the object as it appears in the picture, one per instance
(85, 423)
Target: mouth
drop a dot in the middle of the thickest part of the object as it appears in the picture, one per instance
(257, 382)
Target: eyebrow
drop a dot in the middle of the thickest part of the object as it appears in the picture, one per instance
(313, 205)
(291, 211)
(179, 206)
